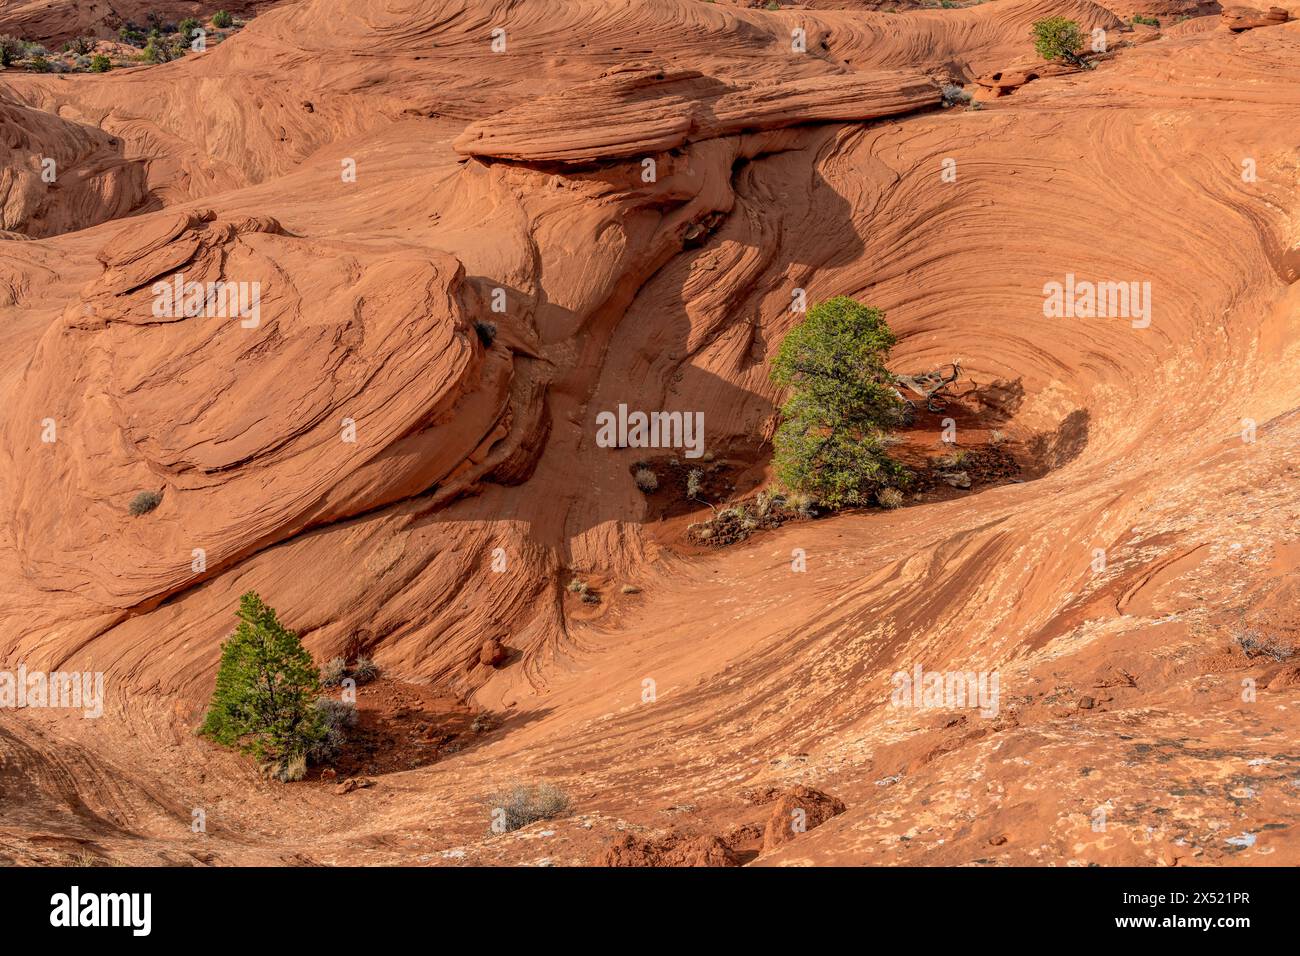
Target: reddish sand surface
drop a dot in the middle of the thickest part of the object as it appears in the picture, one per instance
(1150, 517)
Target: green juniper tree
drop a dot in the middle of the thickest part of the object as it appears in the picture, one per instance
(265, 697)
(830, 443)
(1057, 38)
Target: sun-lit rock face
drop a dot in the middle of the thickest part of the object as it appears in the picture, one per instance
(57, 176)
(263, 382)
(350, 290)
(1237, 18)
(639, 110)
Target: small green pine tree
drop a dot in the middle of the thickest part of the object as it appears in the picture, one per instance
(830, 442)
(1057, 38)
(266, 689)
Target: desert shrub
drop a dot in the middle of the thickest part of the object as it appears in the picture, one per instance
(521, 804)
(187, 28)
(1145, 20)
(157, 50)
(954, 459)
(79, 45)
(222, 20)
(889, 498)
(365, 671)
(333, 672)
(487, 332)
(132, 36)
(86, 858)
(829, 443)
(337, 717)
(953, 94)
(806, 505)
(100, 63)
(1056, 38)
(584, 591)
(647, 480)
(694, 483)
(11, 50)
(292, 769)
(144, 502)
(264, 701)
(1254, 644)
(39, 64)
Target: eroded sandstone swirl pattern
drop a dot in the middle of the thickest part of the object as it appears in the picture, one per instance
(474, 489)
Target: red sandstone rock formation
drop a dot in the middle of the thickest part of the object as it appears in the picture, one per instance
(460, 261)
(1238, 19)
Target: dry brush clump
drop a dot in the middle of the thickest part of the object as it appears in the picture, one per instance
(586, 594)
(646, 480)
(337, 718)
(736, 522)
(336, 670)
(365, 670)
(1255, 644)
(889, 498)
(953, 94)
(521, 804)
(145, 502)
(332, 674)
(965, 468)
(694, 483)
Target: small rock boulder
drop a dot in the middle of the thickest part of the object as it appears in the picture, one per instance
(673, 850)
(798, 810)
(1285, 678)
(1003, 82)
(353, 783)
(492, 653)
(1238, 19)
(1011, 78)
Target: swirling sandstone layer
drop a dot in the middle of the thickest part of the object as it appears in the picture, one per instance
(392, 185)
